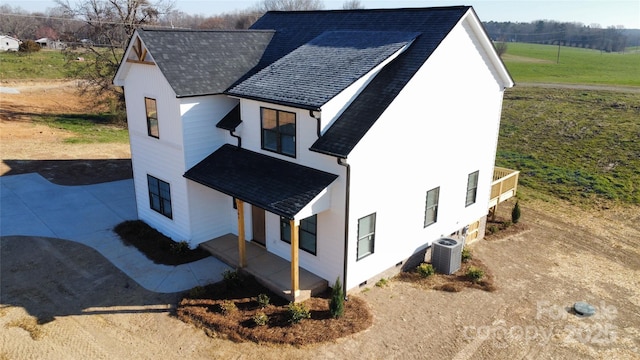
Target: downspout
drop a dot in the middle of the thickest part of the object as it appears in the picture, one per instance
(237, 137)
(343, 162)
(317, 122)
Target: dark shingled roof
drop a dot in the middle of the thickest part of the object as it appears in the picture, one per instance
(319, 70)
(204, 62)
(294, 29)
(278, 186)
(231, 120)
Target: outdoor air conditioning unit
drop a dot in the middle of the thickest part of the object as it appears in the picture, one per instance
(446, 255)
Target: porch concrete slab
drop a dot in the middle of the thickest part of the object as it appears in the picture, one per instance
(30, 205)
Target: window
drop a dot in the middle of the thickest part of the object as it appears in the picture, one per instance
(160, 196)
(279, 131)
(307, 233)
(152, 117)
(366, 235)
(472, 188)
(431, 208)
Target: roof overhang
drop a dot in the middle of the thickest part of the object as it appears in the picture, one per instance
(281, 187)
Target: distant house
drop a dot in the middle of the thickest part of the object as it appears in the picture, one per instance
(358, 136)
(8, 43)
(47, 43)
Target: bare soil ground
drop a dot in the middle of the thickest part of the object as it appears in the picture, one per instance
(62, 300)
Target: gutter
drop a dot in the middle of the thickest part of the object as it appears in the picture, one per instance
(343, 162)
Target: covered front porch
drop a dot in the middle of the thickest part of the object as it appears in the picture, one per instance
(269, 269)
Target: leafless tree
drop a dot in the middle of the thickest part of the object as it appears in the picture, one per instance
(289, 5)
(352, 4)
(108, 24)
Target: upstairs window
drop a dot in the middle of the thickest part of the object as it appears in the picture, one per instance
(152, 117)
(431, 208)
(366, 235)
(279, 131)
(307, 233)
(472, 188)
(160, 196)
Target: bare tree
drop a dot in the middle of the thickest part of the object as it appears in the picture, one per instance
(352, 4)
(108, 24)
(289, 5)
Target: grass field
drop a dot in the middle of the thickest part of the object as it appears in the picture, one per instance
(537, 63)
(578, 145)
(43, 64)
(87, 128)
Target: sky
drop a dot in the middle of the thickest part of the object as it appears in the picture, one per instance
(602, 12)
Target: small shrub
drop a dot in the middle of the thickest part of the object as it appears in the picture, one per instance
(28, 46)
(228, 307)
(178, 248)
(507, 224)
(515, 213)
(382, 282)
(466, 254)
(232, 278)
(475, 274)
(260, 318)
(197, 292)
(493, 229)
(263, 300)
(425, 270)
(297, 312)
(336, 305)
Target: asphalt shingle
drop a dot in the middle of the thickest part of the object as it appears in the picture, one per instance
(204, 62)
(278, 186)
(319, 70)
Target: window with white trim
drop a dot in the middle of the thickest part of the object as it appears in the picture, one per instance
(472, 188)
(366, 235)
(431, 207)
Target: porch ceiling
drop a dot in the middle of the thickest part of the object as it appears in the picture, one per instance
(278, 186)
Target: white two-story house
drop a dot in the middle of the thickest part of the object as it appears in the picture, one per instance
(344, 142)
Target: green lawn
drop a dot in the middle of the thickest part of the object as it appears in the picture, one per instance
(87, 128)
(45, 64)
(537, 63)
(577, 145)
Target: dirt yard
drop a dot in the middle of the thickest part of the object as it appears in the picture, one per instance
(61, 300)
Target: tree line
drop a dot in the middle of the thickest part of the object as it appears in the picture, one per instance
(610, 39)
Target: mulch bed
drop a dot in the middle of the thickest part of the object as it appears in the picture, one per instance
(455, 282)
(203, 307)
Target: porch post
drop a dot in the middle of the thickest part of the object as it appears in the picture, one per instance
(242, 261)
(295, 273)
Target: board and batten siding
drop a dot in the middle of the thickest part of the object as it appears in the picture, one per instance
(441, 127)
(163, 157)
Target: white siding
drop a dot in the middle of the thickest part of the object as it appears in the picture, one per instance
(440, 128)
(162, 158)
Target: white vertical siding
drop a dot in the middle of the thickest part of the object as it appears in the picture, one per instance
(440, 128)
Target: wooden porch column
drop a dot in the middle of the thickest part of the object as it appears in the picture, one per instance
(242, 254)
(295, 272)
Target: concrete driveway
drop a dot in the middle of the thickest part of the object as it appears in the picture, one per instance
(32, 206)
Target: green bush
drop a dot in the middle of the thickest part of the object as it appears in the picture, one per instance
(493, 229)
(475, 274)
(263, 300)
(197, 292)
(297, 312)
(425, 270)
(382, 282)
(260, 318)
(178, 248)
(466, 254)
(515, 213)
(232, 278)
(336, 305)
(228, 307)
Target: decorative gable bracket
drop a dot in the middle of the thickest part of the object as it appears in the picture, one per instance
(139, 53)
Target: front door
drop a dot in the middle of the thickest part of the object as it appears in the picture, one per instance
(257, 216)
